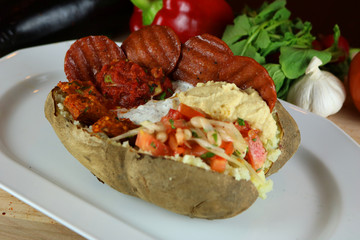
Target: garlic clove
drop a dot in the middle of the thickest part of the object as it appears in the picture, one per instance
(318, 91)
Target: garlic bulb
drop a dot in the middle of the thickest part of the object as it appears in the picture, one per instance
(318, 91)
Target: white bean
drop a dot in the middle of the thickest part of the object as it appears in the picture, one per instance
(161, 136)
(187, 134)
(180, 136)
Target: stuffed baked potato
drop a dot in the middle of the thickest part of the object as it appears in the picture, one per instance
(190, 188)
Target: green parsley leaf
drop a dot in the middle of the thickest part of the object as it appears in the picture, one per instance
(194, 134)
(172, 123)
(207, 155)
(241, 122)
(162, 96)
(215, 136)
(79, 91)
(153, 145)
(107, 79)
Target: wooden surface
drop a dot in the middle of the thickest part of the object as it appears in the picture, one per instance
(20, 221)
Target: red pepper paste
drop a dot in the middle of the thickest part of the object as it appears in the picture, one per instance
(128, 85)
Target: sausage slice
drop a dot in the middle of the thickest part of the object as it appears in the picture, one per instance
(245, 72)
(201, 59)
(86, 56)
(153, 47)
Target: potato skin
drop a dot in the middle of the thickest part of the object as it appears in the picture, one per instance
(175, 186)
(290, 139)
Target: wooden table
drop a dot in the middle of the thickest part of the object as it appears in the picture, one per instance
(20, 221)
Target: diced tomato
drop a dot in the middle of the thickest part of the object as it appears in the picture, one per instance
(174, 114)
(228, 147)
(147, 142)
(256, 155)
(217, 164)
(174, 145)
(195, 150)
(189, 112)
(172, 124)
(243, 127)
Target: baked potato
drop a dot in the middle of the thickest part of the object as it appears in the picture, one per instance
(173, 185)
(214, 164)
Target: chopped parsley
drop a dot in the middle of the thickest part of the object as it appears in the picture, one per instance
(194, 134)
(108, 79)
(162, 96)
(241, 122)
(151, 88)
(237, 153)
(153, 145)
(79, 91)
(207, 155)
(215, 136)
(172, 123)
(83, 88)
(170, 91)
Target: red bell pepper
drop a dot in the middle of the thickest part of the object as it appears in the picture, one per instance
(187, 18)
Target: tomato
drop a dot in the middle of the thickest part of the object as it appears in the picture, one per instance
(195, 150)
(243, 127)
(354, 80)
(174, 114)
(174, 145)
(217, 164)
(147, 142)
(256, 155)
(189, 112)
(171, 125)
(327, 41)
(228, 147)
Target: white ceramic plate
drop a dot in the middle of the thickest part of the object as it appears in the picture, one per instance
(316, 195)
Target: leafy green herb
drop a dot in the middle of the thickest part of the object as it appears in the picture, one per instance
(83, 88)
(241, 122)
(254, 139)
(294, 61)
(79, 91)
(194, 134)
(237, 153)
(170, 91)
(153, 145)
(172, 123)
(215, 136)
(152, 87)
(207, 155)
(162, 96)
(86, 109)
(107, 79)
(282, 45)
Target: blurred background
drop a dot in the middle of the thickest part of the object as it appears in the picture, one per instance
(25, 23)
(323, 14)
